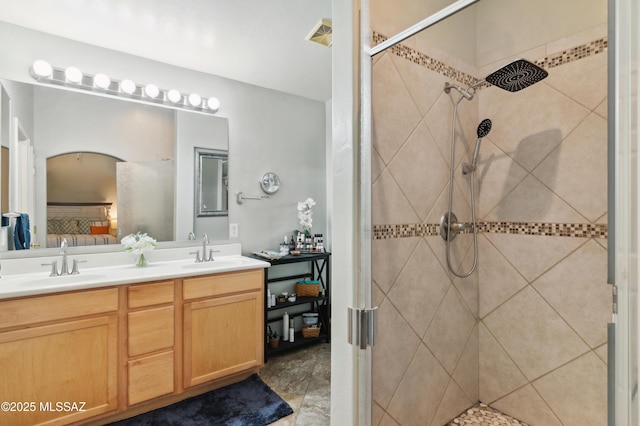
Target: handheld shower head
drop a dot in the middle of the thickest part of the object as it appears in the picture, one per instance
(483, 130)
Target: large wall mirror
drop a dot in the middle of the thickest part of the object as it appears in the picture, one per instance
(60, 122)
(212, 182)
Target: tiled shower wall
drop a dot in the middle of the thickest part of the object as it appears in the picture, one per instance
(526, 332)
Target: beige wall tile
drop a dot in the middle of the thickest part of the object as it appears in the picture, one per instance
(420, 170)
(527, 406)
(439, 120)
(584, 81)
(531, 201)
(496, 176)
(577, 392)
(390, 257)
(602, 352)
(450, 330)
(420, 288)
(395, 115)
(469, 287)
(533, 255)
(467, 371)
(389, 204)
(392, 353)
(528, 124)
(498, 374)
(421, 390)
(583, 37)
(577, 169)
(533, 335)
(425, 86)
(576, 288)
(453, 403)
(499, 280)
(602, 110)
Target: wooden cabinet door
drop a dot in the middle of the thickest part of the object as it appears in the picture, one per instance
(65, 371)
(222, 336)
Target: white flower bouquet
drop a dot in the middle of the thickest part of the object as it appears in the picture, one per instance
(305, 214)
(138, 244)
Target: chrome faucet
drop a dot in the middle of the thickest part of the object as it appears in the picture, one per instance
(205, 241)
(64, 268)
(191, 236)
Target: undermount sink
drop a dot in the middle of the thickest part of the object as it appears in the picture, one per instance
(221, 263)
(63, 280)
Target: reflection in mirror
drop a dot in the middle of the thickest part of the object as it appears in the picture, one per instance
(212, 182)
(81, 199)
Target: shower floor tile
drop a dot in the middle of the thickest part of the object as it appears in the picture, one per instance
(485, 416)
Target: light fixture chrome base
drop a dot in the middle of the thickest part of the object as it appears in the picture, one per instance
(43, 72)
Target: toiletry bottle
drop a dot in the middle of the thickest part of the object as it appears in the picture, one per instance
(268, 298)
(285, 325)
(292, 244)
(292, 332)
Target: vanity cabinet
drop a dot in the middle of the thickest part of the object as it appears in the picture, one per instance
(223, 331)
(102, 355)
(151, 341)
(58, 357)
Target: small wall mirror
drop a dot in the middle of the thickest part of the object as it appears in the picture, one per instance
(212, 182)
(270, 183)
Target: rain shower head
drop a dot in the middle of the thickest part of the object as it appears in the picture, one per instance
(517, 75)
(484, 128)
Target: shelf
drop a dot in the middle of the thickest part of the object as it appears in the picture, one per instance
(299, 301)
(298, 342)
(302, 257)
(318, 269)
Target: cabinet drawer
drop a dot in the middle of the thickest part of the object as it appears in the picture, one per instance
(150, 330)
(150, 294)
(150, 377)
(220, 284)
(32, 310)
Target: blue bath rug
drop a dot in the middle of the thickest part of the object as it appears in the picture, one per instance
(247, 403)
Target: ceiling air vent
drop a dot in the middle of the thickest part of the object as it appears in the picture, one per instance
(321, 33)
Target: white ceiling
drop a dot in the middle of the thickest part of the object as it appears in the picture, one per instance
(260, 42)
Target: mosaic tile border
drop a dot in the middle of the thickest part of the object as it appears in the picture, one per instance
(564, 57)
(428, 62)
(572, 230)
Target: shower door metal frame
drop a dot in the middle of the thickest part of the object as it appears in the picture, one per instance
(626, 356)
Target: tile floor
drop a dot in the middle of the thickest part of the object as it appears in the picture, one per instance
(303, 379)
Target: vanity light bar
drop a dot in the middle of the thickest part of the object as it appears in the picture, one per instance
(43, 72)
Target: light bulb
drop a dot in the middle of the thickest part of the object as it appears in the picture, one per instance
(195, 99)
(42, 68)
(101, 81)
(174, 96)
(73, 75)
(151, 90)
(213, 104)
(128, 87)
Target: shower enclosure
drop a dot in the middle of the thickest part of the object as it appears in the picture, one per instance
(527, 327)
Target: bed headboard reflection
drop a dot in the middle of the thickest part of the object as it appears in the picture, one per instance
(97, 211)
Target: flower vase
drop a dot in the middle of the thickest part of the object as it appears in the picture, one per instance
(142, 261)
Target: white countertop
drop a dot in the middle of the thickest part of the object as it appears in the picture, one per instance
(109, 269)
